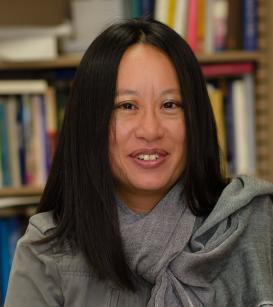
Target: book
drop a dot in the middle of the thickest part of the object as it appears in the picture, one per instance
(180, 17)
(171, 13)
(12, 129)
(10, 232)
(249, 24)
(249, 89)
(234, 25)
(201, 25)
(136, 8)
(227, 69)
(217, 103)
(240, 106)
(147, 7)
(39, 139)
(13, 87)
(89, 18)
(192, 24)
(161, 10)
(209, 30)
(51, 124)
(4, 154)
(29, 48)
(220, 13)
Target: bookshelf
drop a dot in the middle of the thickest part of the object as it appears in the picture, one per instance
(70, 61)
(263, 88)
(20, 201)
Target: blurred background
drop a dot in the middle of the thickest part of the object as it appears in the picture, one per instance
(41, 45)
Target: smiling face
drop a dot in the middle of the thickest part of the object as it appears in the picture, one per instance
(147, 142)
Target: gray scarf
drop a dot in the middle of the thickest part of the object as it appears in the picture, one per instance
(222, 260)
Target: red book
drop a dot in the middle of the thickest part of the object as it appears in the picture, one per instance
(192, 24)
(227, 69)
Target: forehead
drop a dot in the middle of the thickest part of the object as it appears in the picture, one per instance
(144, 64)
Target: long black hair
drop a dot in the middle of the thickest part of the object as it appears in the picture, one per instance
(80, 189)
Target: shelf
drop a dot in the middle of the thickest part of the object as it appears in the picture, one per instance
(23, 191)
(10, 202)
(70, 61)
(229, 56)
(64, 61)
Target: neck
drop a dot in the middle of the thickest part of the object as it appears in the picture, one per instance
(141, 202)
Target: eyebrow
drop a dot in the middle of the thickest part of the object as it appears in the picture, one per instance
(133, 92)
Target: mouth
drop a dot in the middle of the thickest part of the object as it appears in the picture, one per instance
(149, 158)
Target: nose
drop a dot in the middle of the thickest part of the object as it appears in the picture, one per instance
(149, 126)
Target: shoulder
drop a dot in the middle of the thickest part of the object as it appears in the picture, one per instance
(39, 227)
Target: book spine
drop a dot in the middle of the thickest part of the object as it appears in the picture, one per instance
(147, 8)
(250, 24)
(192, 24)
(180, 18)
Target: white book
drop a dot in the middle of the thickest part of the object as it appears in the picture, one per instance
(251, 122)
(161, 10)
(28, 48)
(89, 18)
(180, 17)
(239, 105)
(209, 31)
(10, 87)
(12, 32)
(220, 14)
(38, 140)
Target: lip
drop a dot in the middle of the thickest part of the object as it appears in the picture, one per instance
(149, 151)
(144, 164)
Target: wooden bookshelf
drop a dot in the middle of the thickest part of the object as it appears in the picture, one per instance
(20, 191)
(67, 61)
(264, 89)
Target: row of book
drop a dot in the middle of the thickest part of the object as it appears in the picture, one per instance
(31, 114)
(29, 117)
(208, 25)
(11, 229)
(233, 103)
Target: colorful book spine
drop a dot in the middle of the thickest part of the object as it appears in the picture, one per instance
(147, 8)
(5, 157)
(192, 24)
(249, 24)
(180, 18)
(136, 8)
(220, 13)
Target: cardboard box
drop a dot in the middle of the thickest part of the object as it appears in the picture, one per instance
(33, 12)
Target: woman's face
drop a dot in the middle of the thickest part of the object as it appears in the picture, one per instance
(147, 140)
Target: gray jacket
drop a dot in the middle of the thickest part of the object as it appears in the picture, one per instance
(44, 276)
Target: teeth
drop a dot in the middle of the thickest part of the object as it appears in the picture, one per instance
(148, 157)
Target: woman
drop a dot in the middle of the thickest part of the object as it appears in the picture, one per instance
(135, 211)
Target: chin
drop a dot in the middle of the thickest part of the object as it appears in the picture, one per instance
(151, 185)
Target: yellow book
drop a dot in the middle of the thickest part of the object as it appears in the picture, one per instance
(217, 103)
(201, 25)
(171, 13)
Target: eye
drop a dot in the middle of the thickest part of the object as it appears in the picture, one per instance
(171, 104)
(125, 106)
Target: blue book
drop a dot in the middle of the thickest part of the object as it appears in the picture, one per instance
(249, 24)
(136, 9)
(21, 139)
(5, 156)
(230, 130)
(10, 232)
(147, 8)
